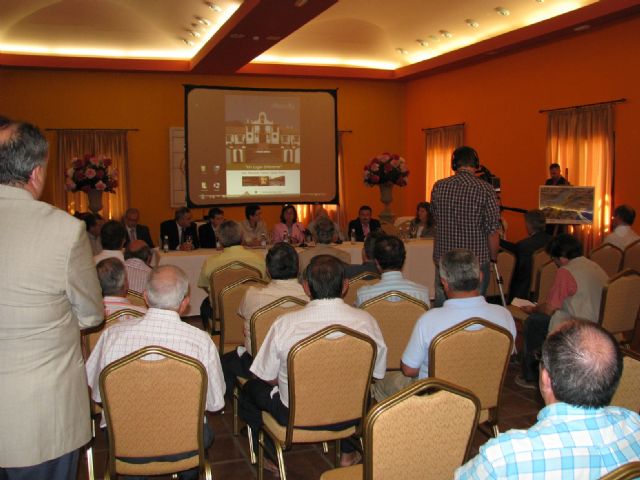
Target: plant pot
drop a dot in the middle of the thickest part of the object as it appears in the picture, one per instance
(95, 200)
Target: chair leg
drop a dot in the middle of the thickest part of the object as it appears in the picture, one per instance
(283, 473)
(325, 447)
(252, 447)
(90, 462)
(494, 429)
(207, 470)
(260, 453)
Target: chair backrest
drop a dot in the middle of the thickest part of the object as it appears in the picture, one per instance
(329, 377)
(396, 320)
(620, 302)
(136, 298)
(628, 471)
(263, 318)
(423, 431)
(627, 394)
(506, 262)
(223, 276)
(632, 256)
(232, 324)
(473, 359)
(154, 401)
(544, 280)
(609, 257)
(92, 335)
(360, 280)
(389, 229)
(539, 258)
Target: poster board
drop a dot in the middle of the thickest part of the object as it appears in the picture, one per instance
(567, 205)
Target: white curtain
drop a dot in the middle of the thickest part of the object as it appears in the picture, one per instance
(108, 143)
(582, 141)
(440, 144)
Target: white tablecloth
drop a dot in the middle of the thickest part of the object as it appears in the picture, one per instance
(418, 266)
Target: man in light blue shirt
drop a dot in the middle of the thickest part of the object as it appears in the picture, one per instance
(461, 277)
(577, 435)
(389, 254)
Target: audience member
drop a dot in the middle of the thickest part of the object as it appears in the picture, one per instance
(575, 293)
(325, 284)
(325, 234)
(577, 435)
(390, 254)
(93, 223)
(282, 266)
(289, 229)
(423, 226)
(138, 257)
(368, 264)
(534, 222)
(181, 232)
(49, 290)
(135, 231)
(364, 224)
(466, 213)
(113, 281)
(167, 295)
(112, 236)
(320, 212)
(555, 178)
(208, 232)
(461, 277)
(622, 235)
(253, 229)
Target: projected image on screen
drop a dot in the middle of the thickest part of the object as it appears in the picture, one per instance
(260, 145)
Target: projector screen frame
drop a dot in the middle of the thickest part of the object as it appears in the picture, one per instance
(188, 88)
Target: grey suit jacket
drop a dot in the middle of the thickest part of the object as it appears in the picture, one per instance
(49, 290)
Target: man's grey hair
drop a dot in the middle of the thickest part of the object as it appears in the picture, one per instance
(168, 285)
(22, 148)
(229, 233)
(112, 275)
(460, 268)
(325, 230)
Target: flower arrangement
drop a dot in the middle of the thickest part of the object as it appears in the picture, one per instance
(91, 172)
(386, 168)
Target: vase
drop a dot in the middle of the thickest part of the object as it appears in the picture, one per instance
(386, 197)
(95, 200)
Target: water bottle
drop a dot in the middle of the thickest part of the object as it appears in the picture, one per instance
(218, 245)
(286, 238)
(353, 236)
(165, 244)
(263, 241)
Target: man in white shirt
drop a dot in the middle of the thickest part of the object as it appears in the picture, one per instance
(167, 295)
(113, 281)
(254, 230)
(622, 235)
(112, 236)
(461, 277)
(390, 254)
(325, 284)
(138, 257)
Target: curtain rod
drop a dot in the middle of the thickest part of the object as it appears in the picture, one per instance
(443, 126)
(617, 100)
(92, 129)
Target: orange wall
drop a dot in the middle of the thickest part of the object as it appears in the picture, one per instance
(499, 101)
(153, 103)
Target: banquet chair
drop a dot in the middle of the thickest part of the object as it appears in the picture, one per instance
(628, 471)
(136, 298)
(609, 257)
(626, 395)
(232, 324)
(223, 276)
(620, 304)
(632, 256)
(539, 258)
(329, 376)
(360, 280)
(89, 339)
(506, 262)
(396, 314)
(423, 431)
(154, 407)
(474, 359)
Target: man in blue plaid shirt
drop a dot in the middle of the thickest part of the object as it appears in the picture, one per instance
(577, 435)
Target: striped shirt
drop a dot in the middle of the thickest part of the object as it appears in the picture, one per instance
(138, 274)
(568, 442)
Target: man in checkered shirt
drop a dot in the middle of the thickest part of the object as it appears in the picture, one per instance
(467, 215)
(577, 434)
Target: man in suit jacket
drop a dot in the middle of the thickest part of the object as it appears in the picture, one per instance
(136, 231)
(208, 233)
(180, 230)
(49, 290)
(363, 224)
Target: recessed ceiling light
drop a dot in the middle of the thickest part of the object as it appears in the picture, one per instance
(255, 38)
(401, 51)
(581, 28)
(434, 38)
(472, 23)
(445, 33)
(502, 11)
(202, 21)
(423, 43)
(539, 1)
(237, 35)
(213, 6)
(300, 3)
(187, 42)
(194, 34)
